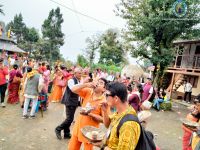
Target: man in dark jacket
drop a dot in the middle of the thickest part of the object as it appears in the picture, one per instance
(71, 101)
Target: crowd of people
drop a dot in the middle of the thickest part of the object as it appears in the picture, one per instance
(104, 97)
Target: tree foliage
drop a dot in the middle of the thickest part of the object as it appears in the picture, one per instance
(154, 26)
(92, 46)
(82, 61)
(52, 31)
(1, 10)
(18, 28)
(111, 49)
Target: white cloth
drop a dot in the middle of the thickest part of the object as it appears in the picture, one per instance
(151, 90)
(188, 87)
(71, 83)
(110, 78)
(12, 61)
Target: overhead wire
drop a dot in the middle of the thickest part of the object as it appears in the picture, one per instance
(79, 21)
(87, 16)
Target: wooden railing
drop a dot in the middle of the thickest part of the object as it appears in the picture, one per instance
(186, 61)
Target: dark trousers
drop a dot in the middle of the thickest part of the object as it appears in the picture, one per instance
(3, 88)
(70, 111)
(189, 94)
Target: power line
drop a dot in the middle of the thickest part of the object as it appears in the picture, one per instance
(85, 31)
(77, 12)
(79, 21)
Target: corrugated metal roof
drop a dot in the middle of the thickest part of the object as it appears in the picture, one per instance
(10, 46)
(186, 41)
(6, 39)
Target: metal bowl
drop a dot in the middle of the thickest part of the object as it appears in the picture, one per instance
(189, 123)
(87, 132)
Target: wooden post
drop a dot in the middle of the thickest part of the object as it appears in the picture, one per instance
(171, 88)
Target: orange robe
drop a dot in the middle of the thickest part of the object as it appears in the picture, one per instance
(187, 133)
(82, 120)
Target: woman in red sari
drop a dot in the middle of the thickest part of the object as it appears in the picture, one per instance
(13, 86)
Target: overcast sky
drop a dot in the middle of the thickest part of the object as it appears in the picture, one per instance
(75, 27)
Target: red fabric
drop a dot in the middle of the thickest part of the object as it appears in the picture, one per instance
(134, 101)
(146, 89)
(13, 96)
(187, 133)
(157, 148)
(3, 73)
(186, 140)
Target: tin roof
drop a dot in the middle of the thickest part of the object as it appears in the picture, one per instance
(9, 45)
(187, 41)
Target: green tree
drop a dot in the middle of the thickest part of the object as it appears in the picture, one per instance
(18, 28)
(1, 10)
(82, 61)
(31, 35)
(30, 38)
(111, 49)
(51, 30)
(154, 26)
(92, 46)
(41, 49)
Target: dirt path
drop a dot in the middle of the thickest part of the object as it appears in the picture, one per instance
(38, 134)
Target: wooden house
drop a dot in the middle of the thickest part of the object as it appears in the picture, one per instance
(8, 44)
(186, 66)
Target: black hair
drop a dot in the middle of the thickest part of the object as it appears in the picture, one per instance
(197, 99)
(105, 81)
(48, 67)
(62, 67)
(29, 69)
(129, 88)
(140, 88)
(118, 89)
(43, 63)
(1, 59)
(163, 93)
(15, 66)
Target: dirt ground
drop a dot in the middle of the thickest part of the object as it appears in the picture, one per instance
(38, 134)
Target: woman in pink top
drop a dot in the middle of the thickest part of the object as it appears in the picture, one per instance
(3, 83)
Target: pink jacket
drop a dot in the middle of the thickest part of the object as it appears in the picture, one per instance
(3, 73)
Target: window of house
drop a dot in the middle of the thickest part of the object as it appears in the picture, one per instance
(193, 80)
(197, 49)
(180, 50)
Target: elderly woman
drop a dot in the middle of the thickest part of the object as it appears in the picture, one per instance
(13, 86)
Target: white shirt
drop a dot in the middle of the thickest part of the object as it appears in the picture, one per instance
(71, 83)
(188, 87)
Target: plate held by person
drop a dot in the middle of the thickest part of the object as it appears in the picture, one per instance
(190, 124)
(93, 134)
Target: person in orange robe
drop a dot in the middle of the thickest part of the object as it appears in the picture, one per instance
(57, 90)
(92, 94)
(187, 132)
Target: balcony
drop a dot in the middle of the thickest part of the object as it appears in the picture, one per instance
(186, 63)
